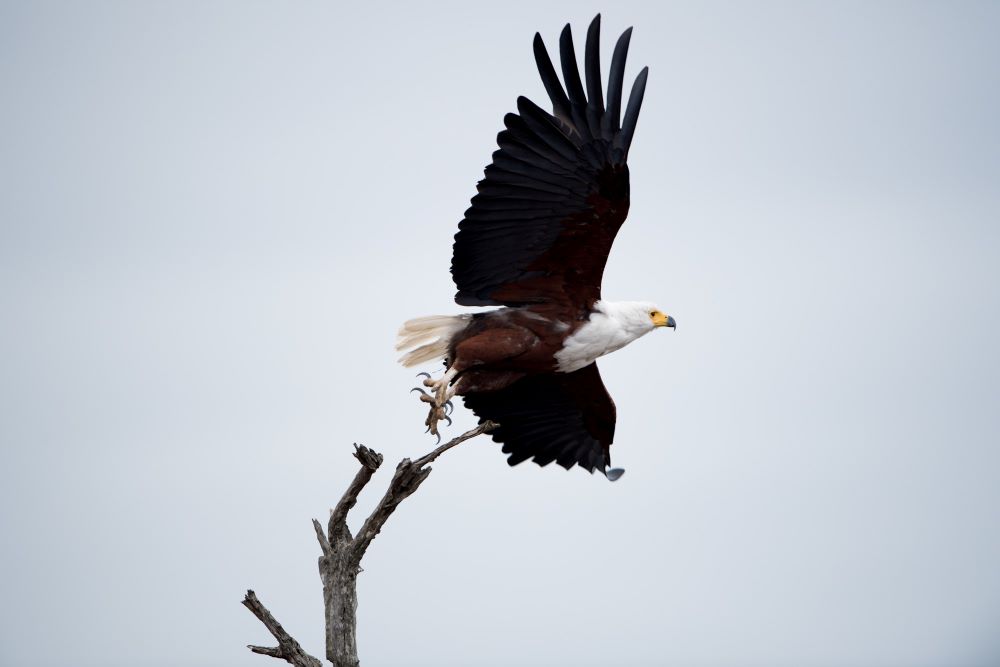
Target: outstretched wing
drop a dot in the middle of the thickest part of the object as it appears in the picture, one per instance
(552, 201)
(568, 418)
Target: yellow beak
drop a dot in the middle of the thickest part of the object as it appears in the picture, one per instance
(662, 320)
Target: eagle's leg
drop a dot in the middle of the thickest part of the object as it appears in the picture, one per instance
(439, 398)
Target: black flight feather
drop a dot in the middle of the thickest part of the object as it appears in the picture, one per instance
(560, 103)
(592, 65)
(571, 75)
(615, 81)
(632, 111)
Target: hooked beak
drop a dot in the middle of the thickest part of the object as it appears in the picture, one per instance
(661, 320)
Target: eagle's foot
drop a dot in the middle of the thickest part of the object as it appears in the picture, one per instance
(439, 398)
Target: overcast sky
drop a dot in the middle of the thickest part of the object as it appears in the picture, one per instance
(214, 216)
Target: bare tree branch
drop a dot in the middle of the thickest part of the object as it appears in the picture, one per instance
(485, 427)
(288, 649)
(370, 462)
(341, 560)
(408, 477)
(324, 543)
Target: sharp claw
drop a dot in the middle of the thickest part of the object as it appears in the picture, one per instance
(438, 441)
(449, 407)
(425, 374)
(420, 390)
(428, 429)
(447, 419)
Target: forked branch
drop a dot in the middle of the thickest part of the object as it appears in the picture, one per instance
(340, 561)
(408, 477)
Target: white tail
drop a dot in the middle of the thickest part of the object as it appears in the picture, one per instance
(427, 338)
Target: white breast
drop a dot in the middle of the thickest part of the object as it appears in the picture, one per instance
(606, 331)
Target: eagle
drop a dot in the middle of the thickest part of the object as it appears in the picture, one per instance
(534, 242)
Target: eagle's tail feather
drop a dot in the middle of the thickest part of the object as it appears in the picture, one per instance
(425, 339)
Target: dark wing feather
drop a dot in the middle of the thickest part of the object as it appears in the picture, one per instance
(616, 79)
(568, 418)
(557, 192)
(592, 67)
(574, 87)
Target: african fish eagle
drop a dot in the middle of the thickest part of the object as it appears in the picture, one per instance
(535, 242)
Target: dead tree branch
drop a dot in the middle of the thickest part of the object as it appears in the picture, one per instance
(340, 562)
(287, 649)
(407, 479)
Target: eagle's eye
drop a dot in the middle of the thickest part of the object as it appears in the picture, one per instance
(652, 313)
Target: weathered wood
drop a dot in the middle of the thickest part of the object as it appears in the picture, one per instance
(408, 477)
(287, 649)
(370, 462)
(340, 562)
(340, 598)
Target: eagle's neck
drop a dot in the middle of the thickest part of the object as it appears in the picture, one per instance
(612, 325)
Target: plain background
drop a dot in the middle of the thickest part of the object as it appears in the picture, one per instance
(215, 216)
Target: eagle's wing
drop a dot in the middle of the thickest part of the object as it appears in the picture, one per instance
(568, 418)
(552, 201)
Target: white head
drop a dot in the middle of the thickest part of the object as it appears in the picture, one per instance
(637, 318)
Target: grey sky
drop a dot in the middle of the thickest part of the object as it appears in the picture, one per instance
(215, 215)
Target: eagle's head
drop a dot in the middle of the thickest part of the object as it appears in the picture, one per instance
(636, 318)
(661, 320)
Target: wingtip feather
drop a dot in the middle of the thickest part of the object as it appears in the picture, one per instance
(560, 103)
(632, 111)
(616, 80)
